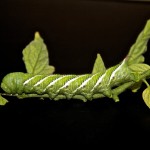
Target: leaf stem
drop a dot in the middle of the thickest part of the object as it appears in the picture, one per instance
(147, 84)
(25, 95)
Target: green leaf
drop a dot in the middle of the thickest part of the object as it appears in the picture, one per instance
(146, 96)
(35, 57)
(140, 68)
(99, 65)
(3, 101)
(137, 50)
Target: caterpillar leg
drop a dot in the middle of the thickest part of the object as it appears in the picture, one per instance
(120, 89)
(58, 97)
(115, 98)
(80, 97)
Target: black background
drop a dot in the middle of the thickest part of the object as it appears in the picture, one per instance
(74, 32)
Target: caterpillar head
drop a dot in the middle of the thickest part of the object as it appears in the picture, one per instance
(12, 83)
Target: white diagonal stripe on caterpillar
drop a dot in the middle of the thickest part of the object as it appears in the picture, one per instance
(69, 82)
(115, 71)
(85, 82)
(55, 81)
(32, 78)
(42, 80)
(98, 81)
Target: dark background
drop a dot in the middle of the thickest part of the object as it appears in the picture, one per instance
(74, 32)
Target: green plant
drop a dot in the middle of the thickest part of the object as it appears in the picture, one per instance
(40, 80)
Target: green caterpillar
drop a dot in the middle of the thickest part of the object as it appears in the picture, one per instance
(84, 87)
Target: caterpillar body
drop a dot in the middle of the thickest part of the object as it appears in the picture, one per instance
(84, 87)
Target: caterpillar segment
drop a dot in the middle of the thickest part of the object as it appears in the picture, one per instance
(84, 87)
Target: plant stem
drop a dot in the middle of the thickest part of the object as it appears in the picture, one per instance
(147, 84)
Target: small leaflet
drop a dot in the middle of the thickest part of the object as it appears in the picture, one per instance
(146, 96)
(135, 54)
(3, 101)
(99, 65)
(35, 57)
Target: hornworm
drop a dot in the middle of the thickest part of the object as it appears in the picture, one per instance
(84, 87)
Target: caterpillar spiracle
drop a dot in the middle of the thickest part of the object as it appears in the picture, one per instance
(84, 87)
